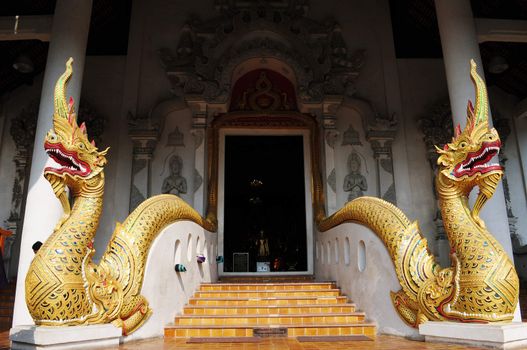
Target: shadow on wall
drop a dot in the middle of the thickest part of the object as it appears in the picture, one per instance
(167, 290)
(366, 274)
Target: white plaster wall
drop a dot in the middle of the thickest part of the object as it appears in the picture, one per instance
(422, 84)
(369, 289)
(166, 290)
(102, 87)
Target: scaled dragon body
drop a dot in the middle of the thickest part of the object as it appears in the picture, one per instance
(63, 285)
(482, 284)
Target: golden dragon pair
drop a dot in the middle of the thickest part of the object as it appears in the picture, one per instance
(64, 286)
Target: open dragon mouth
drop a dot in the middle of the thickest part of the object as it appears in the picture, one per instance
(478, 162)
(67, 160)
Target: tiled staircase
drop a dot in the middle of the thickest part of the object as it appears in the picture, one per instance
(7, 301)
(269, 309)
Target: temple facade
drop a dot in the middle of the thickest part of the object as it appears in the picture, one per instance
(236, 106)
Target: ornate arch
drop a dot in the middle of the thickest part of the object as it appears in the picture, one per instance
(209, 51)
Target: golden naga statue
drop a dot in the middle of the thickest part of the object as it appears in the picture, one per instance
(63, 285)
(482, 284)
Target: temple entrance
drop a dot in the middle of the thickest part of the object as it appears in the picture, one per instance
(264, 204)
(263, 160)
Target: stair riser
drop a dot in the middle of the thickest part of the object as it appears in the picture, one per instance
(270, 302)
(248, 332)
(208, 288)
(266, 294)
(267, 311)
(263, 321)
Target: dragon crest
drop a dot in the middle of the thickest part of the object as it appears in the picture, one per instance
(467, 159)
(76, 159)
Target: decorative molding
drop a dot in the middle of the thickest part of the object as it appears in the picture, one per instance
(389, 195)
(198, 180)
(199, 136)
(351, 137)
(332, 138)
(144, 132)
(209, 51)
(332, 180)
(176, 138)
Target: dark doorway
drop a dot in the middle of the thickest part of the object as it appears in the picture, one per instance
(264, 210)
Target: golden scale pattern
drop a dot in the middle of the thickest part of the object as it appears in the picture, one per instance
(63, 286)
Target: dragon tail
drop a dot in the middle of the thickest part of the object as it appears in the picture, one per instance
(127, 252)
(414, 264)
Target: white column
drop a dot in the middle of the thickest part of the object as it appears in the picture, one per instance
(69, 37)
(460, 44)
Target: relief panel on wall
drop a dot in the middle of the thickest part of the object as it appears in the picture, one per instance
(355, 183)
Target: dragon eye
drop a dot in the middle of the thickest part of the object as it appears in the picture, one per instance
(463, 144)
(81, 146)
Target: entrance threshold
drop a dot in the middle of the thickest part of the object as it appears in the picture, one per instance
(267, 278)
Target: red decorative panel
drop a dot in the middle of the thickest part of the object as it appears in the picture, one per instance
(263, 90)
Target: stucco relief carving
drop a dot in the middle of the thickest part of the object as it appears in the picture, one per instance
(144, 132)
(351, 137)
(208, 51)
(331, 138)
(199, 136)
(355, 183)
(332, 180)
(198, 180)
(175, 183)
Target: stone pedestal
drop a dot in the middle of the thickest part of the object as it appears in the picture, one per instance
(494, 336)
(55, 338)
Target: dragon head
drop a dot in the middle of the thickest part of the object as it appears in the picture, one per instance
(466, 161)
(77, 159)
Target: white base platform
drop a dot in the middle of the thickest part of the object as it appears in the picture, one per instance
(494, 336)
(58, 338)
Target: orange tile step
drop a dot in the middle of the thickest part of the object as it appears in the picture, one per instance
(266, 310)
(268, 301)
(265, 286)
(259, 320)
(266, 293)
(367, 329)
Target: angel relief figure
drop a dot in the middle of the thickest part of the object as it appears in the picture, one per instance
(175, 183)
(355, 183)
